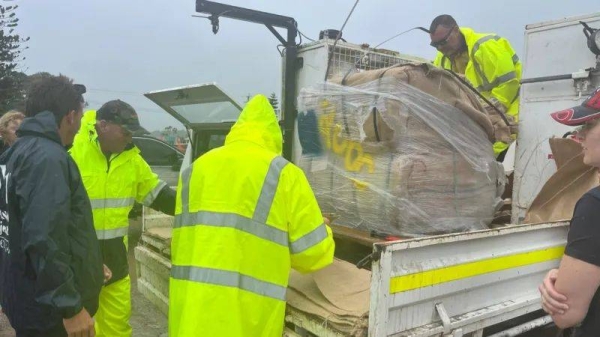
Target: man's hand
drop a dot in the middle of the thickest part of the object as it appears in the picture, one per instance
(552, 301)
(107, 274)
(80, 325)
(328, 218)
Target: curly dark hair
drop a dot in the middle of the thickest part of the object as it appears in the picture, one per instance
(56, 94)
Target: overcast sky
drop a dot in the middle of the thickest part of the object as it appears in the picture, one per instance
(122, 49)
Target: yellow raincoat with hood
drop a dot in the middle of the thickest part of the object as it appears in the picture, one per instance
(244, 217)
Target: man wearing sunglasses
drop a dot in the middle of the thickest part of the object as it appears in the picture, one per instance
(115, 176)
(487, 61)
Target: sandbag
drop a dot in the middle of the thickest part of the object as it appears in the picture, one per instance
(557, 198)
(405, 150)
(336, 296)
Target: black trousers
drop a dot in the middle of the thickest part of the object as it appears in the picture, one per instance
(58, 331)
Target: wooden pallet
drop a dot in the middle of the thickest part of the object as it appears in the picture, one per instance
(153, 266)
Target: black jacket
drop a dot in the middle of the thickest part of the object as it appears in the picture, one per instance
(50, 265)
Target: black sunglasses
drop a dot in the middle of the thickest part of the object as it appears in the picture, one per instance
(443, 41)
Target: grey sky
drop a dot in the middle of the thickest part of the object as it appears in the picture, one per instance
(121, 49)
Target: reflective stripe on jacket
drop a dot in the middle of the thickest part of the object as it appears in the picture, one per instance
(114, 184)
(494, 70)
(244, 217)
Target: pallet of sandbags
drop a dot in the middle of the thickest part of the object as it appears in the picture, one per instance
(405, 150)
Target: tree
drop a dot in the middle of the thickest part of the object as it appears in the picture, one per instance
(20, 85)
(274, 102)
(12, 92)
(12, 81)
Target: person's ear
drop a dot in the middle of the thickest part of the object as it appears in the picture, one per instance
(101, 125)
(456, 32)
(71, 117)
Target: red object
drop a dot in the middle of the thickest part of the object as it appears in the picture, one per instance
(594, 100)
(581, 114)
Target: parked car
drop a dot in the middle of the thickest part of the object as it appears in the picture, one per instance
(164, 159)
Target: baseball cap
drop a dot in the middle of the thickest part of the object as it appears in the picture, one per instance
(121, 113)
(581, 114)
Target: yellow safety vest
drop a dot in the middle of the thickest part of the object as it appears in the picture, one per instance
(113, 185)
(493, 69)
(244, 216)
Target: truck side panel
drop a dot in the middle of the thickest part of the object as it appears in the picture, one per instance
(551, 48)
(476, 279)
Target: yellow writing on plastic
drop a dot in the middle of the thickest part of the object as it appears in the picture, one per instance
(355, 159)
(454, 273)
(359, 184)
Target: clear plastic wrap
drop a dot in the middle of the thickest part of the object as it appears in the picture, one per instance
(387, 157)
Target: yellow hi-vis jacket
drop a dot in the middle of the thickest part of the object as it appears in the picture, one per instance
(113, 185)
(493, 69)
(243, 217)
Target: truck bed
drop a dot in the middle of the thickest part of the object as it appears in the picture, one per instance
(457, 283)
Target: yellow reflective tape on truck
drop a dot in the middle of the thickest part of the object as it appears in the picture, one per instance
(453, 273)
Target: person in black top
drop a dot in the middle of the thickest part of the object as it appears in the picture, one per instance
(570, 294)
(51, 271)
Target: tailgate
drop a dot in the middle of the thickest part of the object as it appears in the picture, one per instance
(471, 280)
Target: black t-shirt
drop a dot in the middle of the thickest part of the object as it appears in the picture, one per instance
(583, 243)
